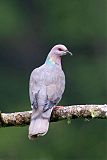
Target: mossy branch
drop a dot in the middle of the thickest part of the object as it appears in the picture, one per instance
(59, 113)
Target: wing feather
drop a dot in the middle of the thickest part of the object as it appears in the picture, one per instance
(33, 88)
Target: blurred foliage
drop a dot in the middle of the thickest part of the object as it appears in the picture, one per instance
(28, 29)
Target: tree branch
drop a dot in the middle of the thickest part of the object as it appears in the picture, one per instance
(59, 113)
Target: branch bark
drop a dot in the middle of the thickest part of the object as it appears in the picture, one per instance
(59, 113)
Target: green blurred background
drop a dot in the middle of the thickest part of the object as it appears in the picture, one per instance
(28, 30)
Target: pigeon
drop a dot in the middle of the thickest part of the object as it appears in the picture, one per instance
(46, 86)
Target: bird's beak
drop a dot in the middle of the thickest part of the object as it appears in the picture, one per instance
(67, 52)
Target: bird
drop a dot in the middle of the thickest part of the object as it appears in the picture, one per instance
(46, 87)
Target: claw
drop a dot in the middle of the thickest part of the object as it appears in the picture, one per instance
(58, 107)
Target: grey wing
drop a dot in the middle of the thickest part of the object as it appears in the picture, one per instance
(34, 88)
(54, 92)
(52, 100)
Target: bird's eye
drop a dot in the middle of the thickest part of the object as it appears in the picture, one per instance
(60, 49)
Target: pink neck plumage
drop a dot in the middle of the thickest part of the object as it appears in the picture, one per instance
(53, 59)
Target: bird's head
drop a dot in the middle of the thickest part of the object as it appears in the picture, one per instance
(60, 50)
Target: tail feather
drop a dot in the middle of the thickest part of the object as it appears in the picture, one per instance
(38, 127)
(39, 124)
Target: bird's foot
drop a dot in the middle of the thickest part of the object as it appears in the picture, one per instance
(58, 107)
